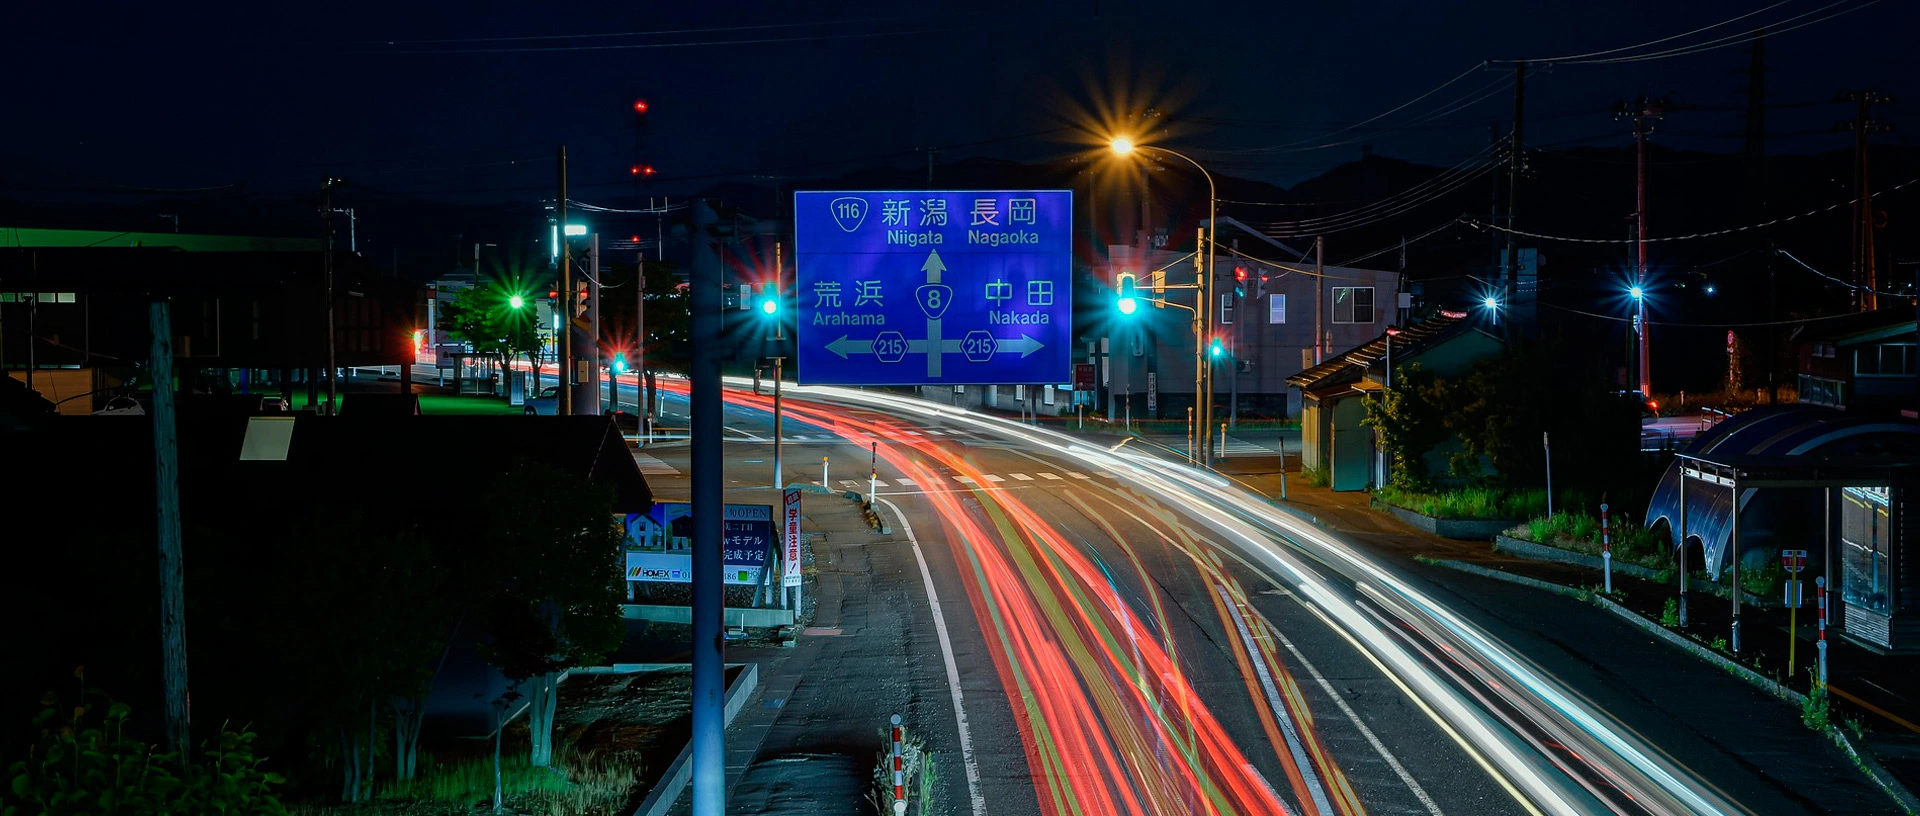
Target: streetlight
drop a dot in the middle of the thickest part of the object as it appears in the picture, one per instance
(1639, 295)
(1203, 314)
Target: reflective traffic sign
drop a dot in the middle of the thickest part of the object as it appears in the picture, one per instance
(922, 288)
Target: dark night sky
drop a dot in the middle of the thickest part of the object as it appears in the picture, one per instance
(274, 94)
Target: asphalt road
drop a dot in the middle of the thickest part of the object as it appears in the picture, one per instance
(1124, 641)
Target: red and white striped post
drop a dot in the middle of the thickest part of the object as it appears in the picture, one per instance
(873, 474)
(1606, 547)
(1820, 587)
(899, 770)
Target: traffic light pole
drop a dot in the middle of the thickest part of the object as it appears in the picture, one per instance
(565, 381)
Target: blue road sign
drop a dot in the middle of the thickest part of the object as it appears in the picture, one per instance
(929, 288)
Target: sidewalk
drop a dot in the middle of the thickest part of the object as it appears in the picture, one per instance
(1870, 689)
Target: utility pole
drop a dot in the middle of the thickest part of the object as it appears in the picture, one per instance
(1757, 155)
(640, 346)
(564, 381)
(779, 363)
(1319, 300)
(709, 650)
(166, 481)
(1641, 110)
(1514, 166)
(326, 215)
(1866, 276)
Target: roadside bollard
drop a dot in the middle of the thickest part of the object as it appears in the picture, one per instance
(1820, 588)
(899, 770)
(1606, 547)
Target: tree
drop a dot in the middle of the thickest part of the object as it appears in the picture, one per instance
(367, 658)
(550, 583)
(1411, 421)
(484, 317)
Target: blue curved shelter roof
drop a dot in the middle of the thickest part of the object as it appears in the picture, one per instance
(1780, 430)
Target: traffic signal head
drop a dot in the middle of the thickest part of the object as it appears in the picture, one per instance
(619, 362)
(516, 301)
(770, 303)
(1240, 273)
(1127, 302)
(1218, 349)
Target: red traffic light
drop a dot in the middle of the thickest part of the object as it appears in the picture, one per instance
(639, 106)
(553, 294)
(1239, 273)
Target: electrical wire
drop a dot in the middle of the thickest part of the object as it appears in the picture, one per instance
(698, 44)
(1405, 242)
(646, 211)
(659, 33)
(1589, 54)
(1619, 319)
(1732, 40)
(1377, 117)
(1375, 213)
(1854, 286)
(1481, 225)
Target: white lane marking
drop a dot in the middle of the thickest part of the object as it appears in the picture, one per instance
(904, 481)
(965, 480)
(1078, 475)
(1279, 709)
(1392, 762)
(849, 483)
(1021, 476)
(1053, 476)
(993, 478)
(880, 483)
(953, 670)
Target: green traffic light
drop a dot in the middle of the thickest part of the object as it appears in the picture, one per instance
(769, 307)
(1127, 303)
(1218, 349)
(516, 301)
(619, 363)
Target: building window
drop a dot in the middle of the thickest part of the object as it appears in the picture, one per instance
(1047, 395)
(1353, 304)
(1885, 360)
(1277, 309)
(1822, 391)
(1823, 350)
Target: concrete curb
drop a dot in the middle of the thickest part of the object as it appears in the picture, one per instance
(674, 782)
(1460, 529)
(1868, 765)
(1546, 552)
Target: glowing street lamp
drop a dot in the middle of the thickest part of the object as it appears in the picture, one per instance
(1203, 313)
(1636, 292)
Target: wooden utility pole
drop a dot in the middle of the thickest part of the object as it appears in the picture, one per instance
(166, 482)
(565, 380)
(326, 214)
(1319, 300)
(1865, 276)
(1514, 166)
(1641, 110)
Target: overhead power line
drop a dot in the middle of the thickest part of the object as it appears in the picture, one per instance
(1853, 286)
(1637, 46)
(1482, 225)
(1620, 319)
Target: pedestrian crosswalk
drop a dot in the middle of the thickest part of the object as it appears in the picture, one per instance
(651, 466)
(984, 479)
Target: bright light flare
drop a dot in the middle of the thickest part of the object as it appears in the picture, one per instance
(1121, 145)
(1491, 302)
(1636, 292)
(516, 301)
(1128, 306)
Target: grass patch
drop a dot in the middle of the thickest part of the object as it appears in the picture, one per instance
(578, 784)
(1469, 503)
(1580, 532)
(1316, 477)
(455, 405)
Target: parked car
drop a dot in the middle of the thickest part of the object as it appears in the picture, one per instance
(545, 403)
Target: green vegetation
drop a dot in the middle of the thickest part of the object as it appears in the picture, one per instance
(1670, 614)
(84, 763)
(1766, 583)
(1316, 477)
(1580, 532)
(452, 405)
(575, 784)
(1484, 503)
(1814, 712)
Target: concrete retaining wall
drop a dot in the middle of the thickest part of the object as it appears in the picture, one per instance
(1463, 529)
(680, 773)
(1542, 552)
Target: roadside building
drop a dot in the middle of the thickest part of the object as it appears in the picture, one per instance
(1865, 363)
(74, 320)
(1334, 394)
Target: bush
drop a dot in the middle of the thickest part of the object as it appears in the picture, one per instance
(1581, 533)
(1814, 713)
(85, 763)
(1467, 503)
(1316, 477)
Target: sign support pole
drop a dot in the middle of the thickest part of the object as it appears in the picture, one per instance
(709, 647)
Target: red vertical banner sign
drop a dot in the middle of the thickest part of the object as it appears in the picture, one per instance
(790, 521)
